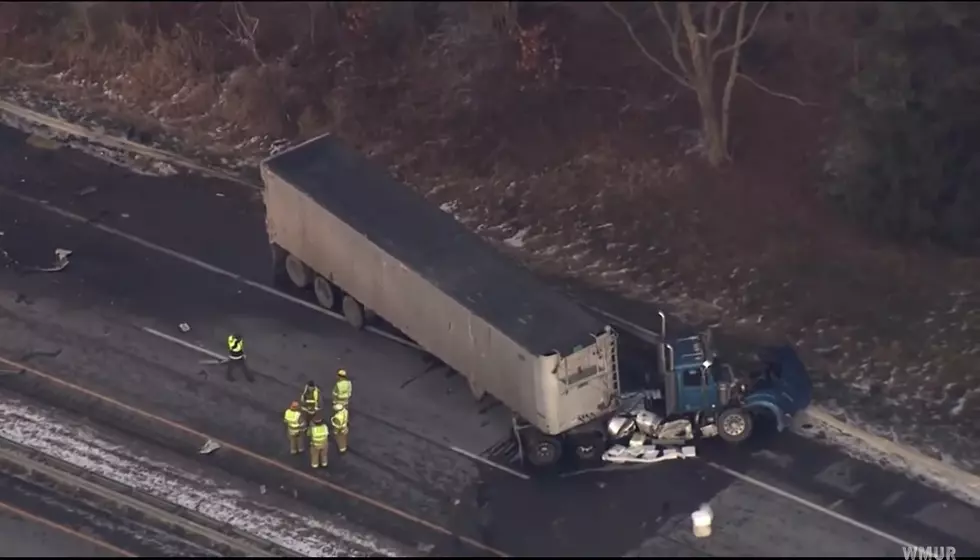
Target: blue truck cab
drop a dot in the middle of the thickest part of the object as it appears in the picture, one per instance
(701, 387)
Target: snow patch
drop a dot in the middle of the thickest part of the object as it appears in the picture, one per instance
(517, 240)
(812, 428)
(79, 446)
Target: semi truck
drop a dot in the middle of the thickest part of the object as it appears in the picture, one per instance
(369, 246)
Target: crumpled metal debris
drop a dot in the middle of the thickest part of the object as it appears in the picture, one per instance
(60, 261)
(184, 327)
(647, 454)
(209, 447)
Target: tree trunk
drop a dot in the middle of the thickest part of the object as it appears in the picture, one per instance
(715, 146)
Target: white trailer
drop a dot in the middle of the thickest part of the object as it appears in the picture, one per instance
(370, 245)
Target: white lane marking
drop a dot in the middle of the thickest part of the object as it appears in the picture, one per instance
(453, 448)
(47, 433)
(807, 503)
(287, 297)
(198, 263)
(184, 343)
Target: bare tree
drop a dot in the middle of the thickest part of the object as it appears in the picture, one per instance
(696, 31)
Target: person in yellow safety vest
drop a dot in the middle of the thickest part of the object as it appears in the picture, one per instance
(340, 430)
(310, 399)
(294, 428)
(319, 433)
(236, 358)
(342, 389)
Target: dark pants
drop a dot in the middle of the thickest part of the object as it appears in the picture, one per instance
(238, 364)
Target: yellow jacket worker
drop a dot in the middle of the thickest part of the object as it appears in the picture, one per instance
(342, 389)
(339, 421)
(318, 442)
(293, 419)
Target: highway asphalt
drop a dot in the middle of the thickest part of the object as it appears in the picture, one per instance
(799, 498)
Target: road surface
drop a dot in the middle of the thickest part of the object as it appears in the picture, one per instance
(22, 537)
(782, 496)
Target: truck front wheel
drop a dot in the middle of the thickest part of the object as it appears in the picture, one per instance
(353, 312)
(735, 425)
(542, 451)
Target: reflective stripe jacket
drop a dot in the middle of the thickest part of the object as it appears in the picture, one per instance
(339, 420)
(311, 398)
(236, 348)
(294, 420)
(318, 435)
(342, 391)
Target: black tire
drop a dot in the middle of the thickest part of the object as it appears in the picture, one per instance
(326, 293)
(735, 425)
(542, 451)
(279, 277)
(299, 274)
(353, 312)
(588, 448)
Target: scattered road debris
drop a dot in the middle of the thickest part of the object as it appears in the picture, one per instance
(184, 327)
(60, 262)
(40, 354)
(701, 521)
(209, 447)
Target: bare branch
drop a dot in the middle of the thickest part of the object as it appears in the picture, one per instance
(748, 34)
(726, 98)
(720, 25)
(673, 31)
(792, 98)
(245, 28)
(636, 40)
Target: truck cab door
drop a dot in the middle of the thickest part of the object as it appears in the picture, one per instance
(692, 396)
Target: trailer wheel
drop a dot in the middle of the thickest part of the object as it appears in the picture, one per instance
(326, 294)
(735, 425)
(353, 312)
(588, 447)
(299, 274)
(542, 451)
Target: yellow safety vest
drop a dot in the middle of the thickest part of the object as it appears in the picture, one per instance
(294, 420)
(339, 420)
(318, 435)
(342, 390)
(235, 348)
(311, 398)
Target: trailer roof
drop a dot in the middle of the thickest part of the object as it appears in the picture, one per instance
(413, 230)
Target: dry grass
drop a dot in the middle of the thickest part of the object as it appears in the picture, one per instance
(597, 169)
